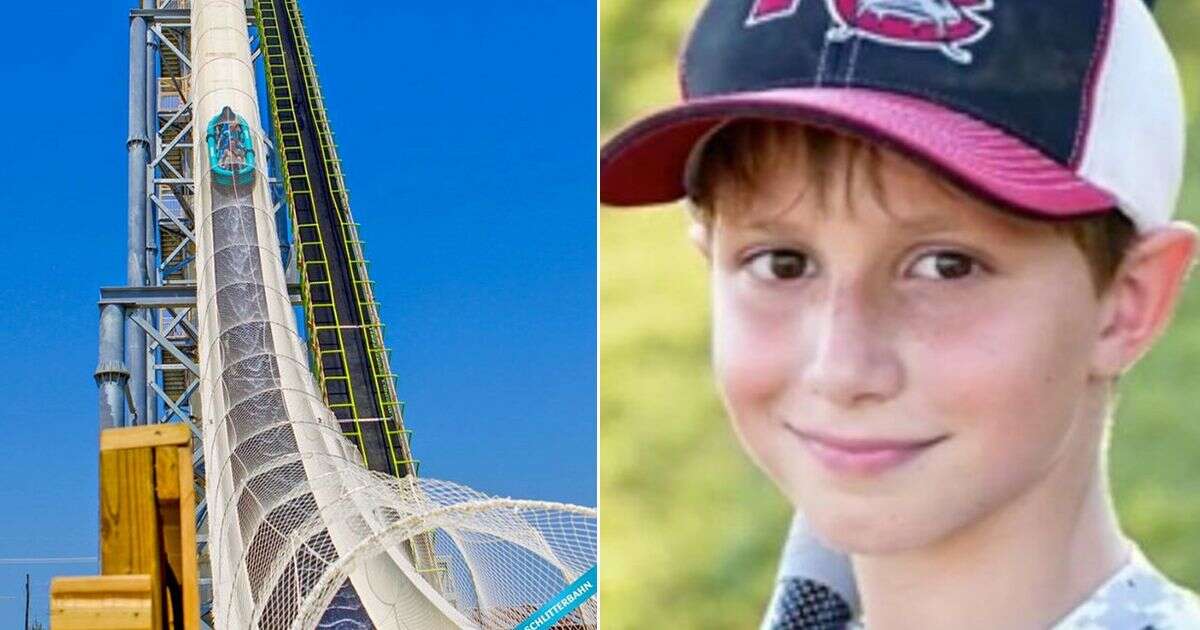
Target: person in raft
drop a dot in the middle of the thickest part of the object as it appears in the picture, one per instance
(938, 232)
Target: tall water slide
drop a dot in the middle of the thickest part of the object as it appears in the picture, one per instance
(301, 534)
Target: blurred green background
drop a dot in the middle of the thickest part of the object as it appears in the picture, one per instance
(690, 530)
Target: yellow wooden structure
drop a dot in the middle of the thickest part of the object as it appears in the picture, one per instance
(148, 575)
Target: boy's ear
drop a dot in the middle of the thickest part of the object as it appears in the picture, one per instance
(1139, 303)
(701, 236)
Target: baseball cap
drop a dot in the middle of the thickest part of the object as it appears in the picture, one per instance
(1056, 109)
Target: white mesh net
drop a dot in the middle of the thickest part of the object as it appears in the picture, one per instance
(301, 535)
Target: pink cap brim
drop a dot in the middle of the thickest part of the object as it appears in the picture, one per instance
(645, 164)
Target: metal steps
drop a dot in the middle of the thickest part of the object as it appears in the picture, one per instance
(349, 358)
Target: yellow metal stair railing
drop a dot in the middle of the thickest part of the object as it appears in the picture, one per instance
(311, 260)
(326, 342)
(377, 352)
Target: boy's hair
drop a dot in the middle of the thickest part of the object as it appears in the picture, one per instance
(736, 157)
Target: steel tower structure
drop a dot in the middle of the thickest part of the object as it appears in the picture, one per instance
(148, 358)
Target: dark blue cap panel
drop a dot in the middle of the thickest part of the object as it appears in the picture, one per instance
(724, 55)
(1022, 65)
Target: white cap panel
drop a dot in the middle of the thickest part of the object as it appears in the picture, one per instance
(1135, 143)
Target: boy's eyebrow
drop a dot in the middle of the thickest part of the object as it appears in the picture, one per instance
(928, 222)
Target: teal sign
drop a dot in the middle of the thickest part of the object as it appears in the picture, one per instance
(568, 599)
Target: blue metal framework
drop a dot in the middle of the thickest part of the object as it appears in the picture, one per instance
(147, 371)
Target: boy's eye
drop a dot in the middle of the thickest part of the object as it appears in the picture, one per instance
(781, 264)
(944, 265)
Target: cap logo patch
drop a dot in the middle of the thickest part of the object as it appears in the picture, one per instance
(943, 25)
(765, 10)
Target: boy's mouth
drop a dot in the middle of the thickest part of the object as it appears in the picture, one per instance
(860, 455)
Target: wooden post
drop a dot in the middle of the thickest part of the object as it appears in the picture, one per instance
(101, 602)
(130, 542)
(147, 538)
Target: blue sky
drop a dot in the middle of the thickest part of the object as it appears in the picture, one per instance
(468, 138)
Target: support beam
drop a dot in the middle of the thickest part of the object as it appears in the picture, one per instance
(138, 147)
(150, 267)
(182, 57)
(151, 330)
(166, 296)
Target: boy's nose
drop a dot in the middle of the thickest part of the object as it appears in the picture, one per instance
(851, 360)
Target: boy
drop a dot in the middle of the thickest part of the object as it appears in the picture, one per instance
(938, 232)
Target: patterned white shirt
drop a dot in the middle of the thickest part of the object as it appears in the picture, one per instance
(1136, 597)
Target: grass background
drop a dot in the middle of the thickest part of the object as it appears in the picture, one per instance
(690, 530)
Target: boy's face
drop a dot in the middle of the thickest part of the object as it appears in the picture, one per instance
(901, 358)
